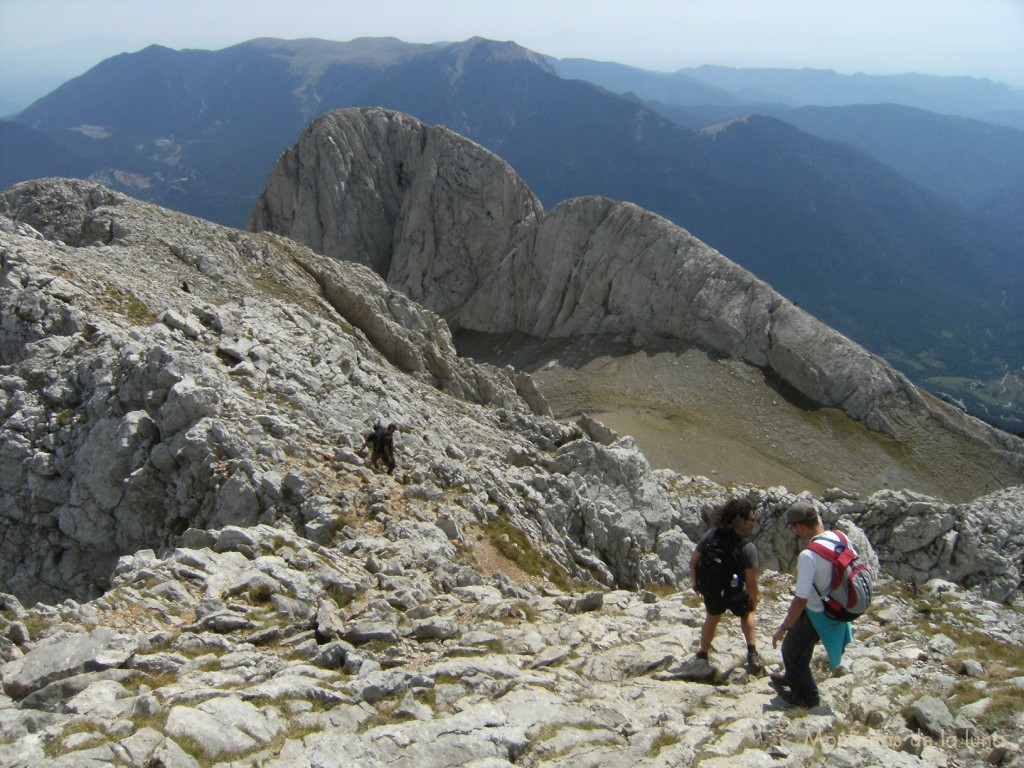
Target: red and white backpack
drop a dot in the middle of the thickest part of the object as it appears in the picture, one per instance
(850, 589)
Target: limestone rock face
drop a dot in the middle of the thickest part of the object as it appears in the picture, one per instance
(221, 577)
(62, 656)
(976, 544)
(159, 372)
(433, 213)
(454, 228)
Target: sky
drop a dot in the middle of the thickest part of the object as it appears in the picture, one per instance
(44, 42)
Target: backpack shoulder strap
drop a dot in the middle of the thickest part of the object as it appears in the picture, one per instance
(829, 553)
(841, 556)
(732, 543)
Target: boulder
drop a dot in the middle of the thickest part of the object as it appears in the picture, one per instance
(63, 655)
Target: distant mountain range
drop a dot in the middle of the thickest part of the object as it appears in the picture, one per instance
(897, 226)
(701, 86)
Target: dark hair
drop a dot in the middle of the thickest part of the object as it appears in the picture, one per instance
(733, 511)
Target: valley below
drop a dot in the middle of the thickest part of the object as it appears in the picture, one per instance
(698, 414)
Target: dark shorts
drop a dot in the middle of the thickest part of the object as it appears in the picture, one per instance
(739, 605)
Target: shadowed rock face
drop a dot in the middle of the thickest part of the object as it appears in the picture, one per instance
(454, 228)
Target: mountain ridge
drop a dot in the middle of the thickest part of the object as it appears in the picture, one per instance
(452, 226)
(523, 112)
(975, 97)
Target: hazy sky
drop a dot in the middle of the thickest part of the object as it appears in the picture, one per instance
(981, 38)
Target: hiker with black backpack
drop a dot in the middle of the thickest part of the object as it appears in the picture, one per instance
(832, 588)
(723, 569)
(381, 445)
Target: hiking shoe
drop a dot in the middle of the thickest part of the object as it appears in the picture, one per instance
(754, 659)
(794, 699)
(778, 680)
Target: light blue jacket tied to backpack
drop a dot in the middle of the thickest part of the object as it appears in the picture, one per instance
(848, 596)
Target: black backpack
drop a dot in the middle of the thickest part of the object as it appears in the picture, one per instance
(376, 439)
(717, 570)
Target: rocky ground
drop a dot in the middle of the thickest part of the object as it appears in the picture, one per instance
(393, 644)
(199, 569)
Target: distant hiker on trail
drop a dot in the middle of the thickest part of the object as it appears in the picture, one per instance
(724, 572)
(381, 445)
(806, 622)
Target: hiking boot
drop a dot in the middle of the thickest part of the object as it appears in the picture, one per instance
(795, 700)
(777, 680)
(754, 659)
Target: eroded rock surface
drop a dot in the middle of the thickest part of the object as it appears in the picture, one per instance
(222, 580)
(384, 647)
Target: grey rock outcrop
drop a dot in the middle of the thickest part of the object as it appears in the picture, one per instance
(174, 376)
(429, 210)
(62, 656)
(160, 372)
(224, 581)
(920, 539)
(454, 228)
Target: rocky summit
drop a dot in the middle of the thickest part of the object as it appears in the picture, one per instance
(200, 568)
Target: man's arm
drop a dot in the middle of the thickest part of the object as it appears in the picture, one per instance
(694, 559)
(750, 579)
(795, 609)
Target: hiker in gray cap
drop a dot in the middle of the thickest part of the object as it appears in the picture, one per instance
(806, 623)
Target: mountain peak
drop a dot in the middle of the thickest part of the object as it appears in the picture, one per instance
(379, 51)
(495, 50)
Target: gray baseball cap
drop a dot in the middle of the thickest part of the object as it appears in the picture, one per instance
(800, 512)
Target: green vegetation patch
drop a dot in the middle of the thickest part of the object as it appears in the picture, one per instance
(665, 740)
(127, 304)
(516, 546)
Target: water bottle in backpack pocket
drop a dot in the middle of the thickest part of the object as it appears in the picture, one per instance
(717, 571)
